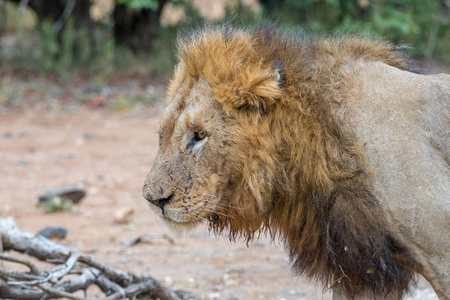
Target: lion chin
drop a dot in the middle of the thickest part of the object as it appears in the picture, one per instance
(180, 229)
(332, 145)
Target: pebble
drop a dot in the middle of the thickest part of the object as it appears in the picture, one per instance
(168, 281)
(124, 215)
(132, 242)
(213, 296)
(53, 233)
(70, 193)
(88, 136)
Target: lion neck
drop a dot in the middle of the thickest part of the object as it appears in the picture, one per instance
(316, 194)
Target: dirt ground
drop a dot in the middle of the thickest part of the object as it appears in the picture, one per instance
(109, 154)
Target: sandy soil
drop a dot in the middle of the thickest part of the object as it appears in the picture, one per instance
(110, 155)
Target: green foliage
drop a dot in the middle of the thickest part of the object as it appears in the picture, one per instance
(124, 102)
(74, 50)
(191, 13)
(49, 46)
(412, 22)
(9, 93)
(243, 13)
(18, 18)
(162, 59)
(54, 204)
(38, 47)
(67, 53)
(139, 4)
(84, 47)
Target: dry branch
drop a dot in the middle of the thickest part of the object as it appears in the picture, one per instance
(50, 284)
(33, 269)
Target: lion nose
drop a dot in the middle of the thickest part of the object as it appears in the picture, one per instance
(160, 202)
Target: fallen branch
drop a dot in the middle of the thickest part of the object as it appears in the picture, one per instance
(33, 269)
(49, 284)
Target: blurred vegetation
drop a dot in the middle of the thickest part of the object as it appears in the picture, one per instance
(140, 4)
(54, 204)
(31, 43)
(131, 35)
(422, 24)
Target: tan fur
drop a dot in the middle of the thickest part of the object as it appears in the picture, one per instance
(292, 148)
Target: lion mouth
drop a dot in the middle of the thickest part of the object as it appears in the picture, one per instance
(170, 211)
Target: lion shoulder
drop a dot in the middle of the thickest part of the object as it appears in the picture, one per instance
(403, 121)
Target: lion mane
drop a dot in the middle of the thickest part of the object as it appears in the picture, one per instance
(304, 177)
(325, 209)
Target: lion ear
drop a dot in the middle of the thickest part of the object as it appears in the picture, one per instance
(277, 68)
(253, 90)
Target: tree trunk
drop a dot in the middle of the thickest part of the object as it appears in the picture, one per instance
(136, 28)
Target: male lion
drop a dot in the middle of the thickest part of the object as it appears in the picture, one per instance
(330, 144)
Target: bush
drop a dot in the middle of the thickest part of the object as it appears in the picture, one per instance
(422, 24)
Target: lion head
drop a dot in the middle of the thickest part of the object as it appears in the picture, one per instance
(248, 143)
(212, 143)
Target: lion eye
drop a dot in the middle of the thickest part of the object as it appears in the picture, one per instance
(199, 135)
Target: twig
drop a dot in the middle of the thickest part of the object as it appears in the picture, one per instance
(1, 243)
(338, 280)
(63, 270)
(23, 5)
(10, 292)
(41, 285)
(109, 287)
(150, 286)
(60, 293)
(56, 274)
(17, 275)
(64, 16)
(33, 268)
(112, 273)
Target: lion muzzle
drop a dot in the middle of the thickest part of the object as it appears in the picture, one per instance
(159, 202)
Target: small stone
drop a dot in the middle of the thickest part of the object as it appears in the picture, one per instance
(88, 136)
(124, 215)
(214, 296)
(53, 233)
(98, 101)
(168, 281)
(132, 242)
(191, 280)
(67, 193)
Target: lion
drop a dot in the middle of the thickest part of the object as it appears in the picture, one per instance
(334, 145)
